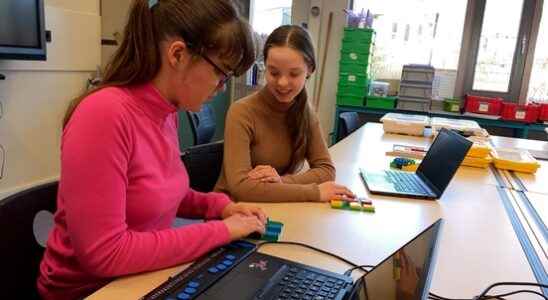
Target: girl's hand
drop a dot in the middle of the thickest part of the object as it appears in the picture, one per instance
(265, 174)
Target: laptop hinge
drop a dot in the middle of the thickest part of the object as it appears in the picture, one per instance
(429, 184)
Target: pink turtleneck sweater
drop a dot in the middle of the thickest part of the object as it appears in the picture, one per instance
(122, 184)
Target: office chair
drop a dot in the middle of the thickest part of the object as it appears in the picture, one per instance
(20, 249)
(203, 164)
(202, 124)
(348, 123)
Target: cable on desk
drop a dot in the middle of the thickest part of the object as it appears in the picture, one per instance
(362, 267)
(355, 266)
(485, 296)
(484, 293)
(515, 293)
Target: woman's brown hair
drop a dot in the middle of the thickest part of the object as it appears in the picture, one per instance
(212, 26)
(299, 115)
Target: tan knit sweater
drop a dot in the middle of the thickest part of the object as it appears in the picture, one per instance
(256, 133)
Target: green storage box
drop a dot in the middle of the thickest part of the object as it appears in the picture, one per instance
(353, 79)
(351, 100)
(353, 68)
(451, 105)
(352, 45)
(364, 35)
(355, 56)
(352, 89)
(380, 102)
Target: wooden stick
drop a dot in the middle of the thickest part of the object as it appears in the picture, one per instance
(324, 58)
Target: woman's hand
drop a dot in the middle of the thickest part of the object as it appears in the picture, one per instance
(265, 174)
(332, 191)
(240, 226)
(244, 210)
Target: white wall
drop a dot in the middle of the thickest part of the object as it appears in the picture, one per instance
(318, 27)
(113, 20)
(35, 95)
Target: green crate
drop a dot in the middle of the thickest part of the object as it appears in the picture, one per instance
(353, 45)
(351, 100)
(353, 68)
(353, 79)
(451, 105)
(351, 89)
(380, 102)
(358, 34)
(352, 57)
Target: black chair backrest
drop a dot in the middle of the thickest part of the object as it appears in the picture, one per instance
(348, 123)
(20, 251)
(202, 124)
(203, 164)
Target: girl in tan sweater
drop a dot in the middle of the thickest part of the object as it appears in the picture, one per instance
(274, 131)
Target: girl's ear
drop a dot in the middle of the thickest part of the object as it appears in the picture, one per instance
(177, 54)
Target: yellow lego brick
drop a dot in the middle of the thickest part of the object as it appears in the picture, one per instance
(368, 208)
(337, 204)
(410, 168)
(355, 206)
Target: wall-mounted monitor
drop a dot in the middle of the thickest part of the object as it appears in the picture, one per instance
(22, 30)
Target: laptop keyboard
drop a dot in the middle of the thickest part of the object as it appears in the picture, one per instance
(303, 284)
(405, 182)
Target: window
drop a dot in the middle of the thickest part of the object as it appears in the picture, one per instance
(495, 64)
(268, 15)
(538, 84)
(432, 34)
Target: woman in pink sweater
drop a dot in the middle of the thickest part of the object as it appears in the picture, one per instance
(122, 181)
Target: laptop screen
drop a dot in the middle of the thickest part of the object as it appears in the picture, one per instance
(443, 159)
(405, 275)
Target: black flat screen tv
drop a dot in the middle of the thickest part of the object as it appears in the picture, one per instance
(22, 32)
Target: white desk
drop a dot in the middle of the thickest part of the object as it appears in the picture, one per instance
(477, 244)
(536, 183)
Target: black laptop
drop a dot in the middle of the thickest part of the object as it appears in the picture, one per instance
(406, 272)
(433, 175)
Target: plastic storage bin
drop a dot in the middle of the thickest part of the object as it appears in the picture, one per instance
(515, 160)
(404, 123)
(358, 35)
(465, 126)
(543, 115)
(415, 104)
(483, 105)
(436, 105)
(351, 100)
(451, 105)
(353, 79)
(380, 102)
(355, 56)
(418, 73)
(378, 88)
(408, 89)
(351, 89)
(353, 68)
(520, 113)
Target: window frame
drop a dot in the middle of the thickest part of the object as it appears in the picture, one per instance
(522, 62)
(520, 53)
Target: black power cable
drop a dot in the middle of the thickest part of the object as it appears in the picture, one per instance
(485, 296)
(309, 247)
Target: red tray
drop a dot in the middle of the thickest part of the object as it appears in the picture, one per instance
(483, 105)
(543, 115)
(521, 113)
